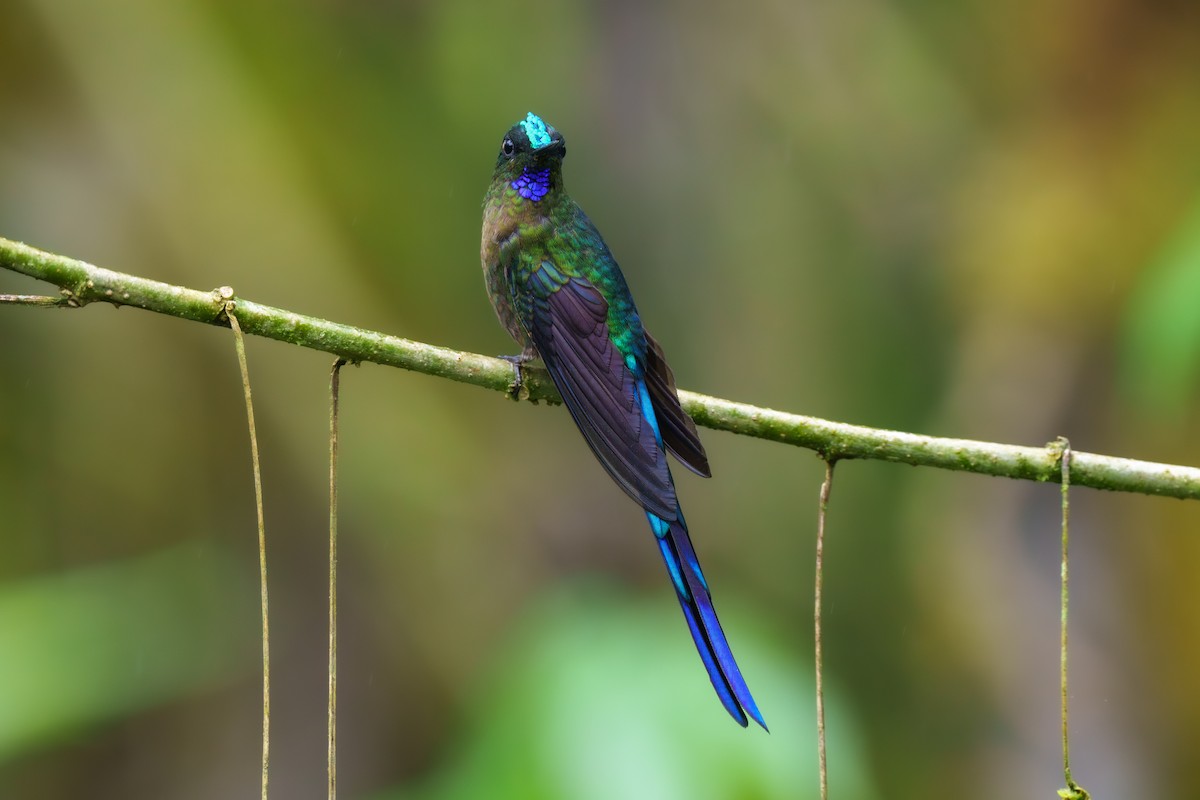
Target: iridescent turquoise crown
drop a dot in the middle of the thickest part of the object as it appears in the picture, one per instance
(537, 131)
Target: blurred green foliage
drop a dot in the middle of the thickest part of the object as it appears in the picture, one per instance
(971, 220)
(84, 645)
(1162, 335)
(592, 699)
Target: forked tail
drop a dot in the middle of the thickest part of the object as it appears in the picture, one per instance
(694, 598)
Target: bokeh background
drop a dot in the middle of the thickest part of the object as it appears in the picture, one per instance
(976, 219)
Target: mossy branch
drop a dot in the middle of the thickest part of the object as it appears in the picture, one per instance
(81, 283)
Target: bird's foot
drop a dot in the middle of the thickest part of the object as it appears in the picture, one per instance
(516, 389)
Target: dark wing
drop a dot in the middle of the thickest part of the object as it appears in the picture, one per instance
(678, 430)
(567, 321)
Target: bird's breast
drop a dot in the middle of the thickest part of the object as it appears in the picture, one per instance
(508, 229)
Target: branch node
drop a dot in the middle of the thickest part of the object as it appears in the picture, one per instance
(1059, 449)
(70, 298)
(225, 297)
(830, 455)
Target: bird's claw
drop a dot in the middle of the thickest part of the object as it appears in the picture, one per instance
(517, 389)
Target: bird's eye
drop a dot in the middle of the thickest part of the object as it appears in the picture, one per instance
(508, 148)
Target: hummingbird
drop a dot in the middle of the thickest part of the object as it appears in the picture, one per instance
(559, 293)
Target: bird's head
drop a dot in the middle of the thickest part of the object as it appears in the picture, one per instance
(530, 159)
